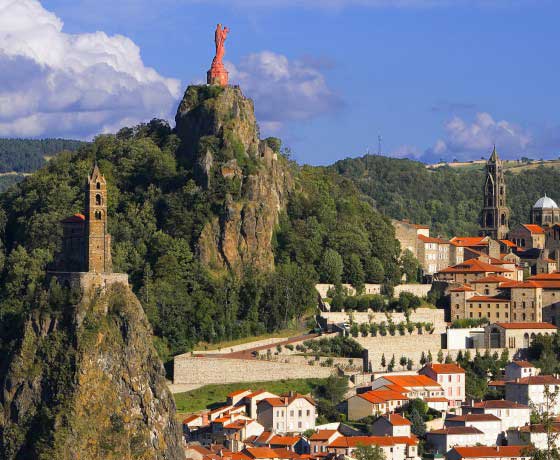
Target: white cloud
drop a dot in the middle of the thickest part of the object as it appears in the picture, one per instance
(58, 84)
(283, 90)
(463, 139)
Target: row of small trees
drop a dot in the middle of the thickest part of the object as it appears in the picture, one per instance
(384, 328)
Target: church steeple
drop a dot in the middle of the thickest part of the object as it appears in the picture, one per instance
(98, 256)
(495, 213)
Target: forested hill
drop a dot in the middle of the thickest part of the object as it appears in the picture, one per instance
(184, 209)
(448, 199)
(28, 155)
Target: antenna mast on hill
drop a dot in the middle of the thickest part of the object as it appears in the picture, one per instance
(379, 140)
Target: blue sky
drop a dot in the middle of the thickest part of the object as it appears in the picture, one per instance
(436, 78)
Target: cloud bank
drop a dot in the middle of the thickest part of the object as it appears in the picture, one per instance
(58, 84)
(283, 90)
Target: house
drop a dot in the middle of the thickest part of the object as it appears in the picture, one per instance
(412, 386)
(451, 377)
(236, 397)
(528, 236)
(445, 438)
(530, 391)
(487, 452)
(267, 453)
(321, 439)
(437, 403)
(287, 414)
(473, 269)
(236, 432)
(393, 447)
(512, 414)
(250, 401)
(535, 435)
(196, 452)
(519, 370)
(488, 424)
(297, 444)
(374, 402)
(391, 425)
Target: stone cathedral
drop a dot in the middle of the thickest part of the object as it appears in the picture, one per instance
(494, 220)
(86, 243)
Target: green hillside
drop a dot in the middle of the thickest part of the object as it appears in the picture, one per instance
(448, 199)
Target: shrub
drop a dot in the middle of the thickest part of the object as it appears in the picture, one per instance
(392, 328)
(402, 328)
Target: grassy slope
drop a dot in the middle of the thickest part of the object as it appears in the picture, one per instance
(212, 396)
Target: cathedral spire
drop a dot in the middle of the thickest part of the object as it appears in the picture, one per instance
(494, 220)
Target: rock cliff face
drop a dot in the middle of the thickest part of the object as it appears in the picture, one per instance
(248, 180)
(86, 383)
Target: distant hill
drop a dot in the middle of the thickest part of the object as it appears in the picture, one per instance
(446, 198)
(23, 156)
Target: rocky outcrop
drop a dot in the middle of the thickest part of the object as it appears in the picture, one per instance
(248, 181)
(87, 383)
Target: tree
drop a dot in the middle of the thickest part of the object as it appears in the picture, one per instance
(418, 427)
(331, 266)
(409, 364)
(391, 365)
(423, 359)
(333, 389)
(430, 358)
(383, 361)
(448, 359)
(410, 266)
(403, 361)
(440, 356)
(355, 273)
(369, 452)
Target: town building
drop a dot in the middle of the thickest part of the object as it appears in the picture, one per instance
(530, 391)
(374, 402)
(519, 370)
(535, 435)
(515, 335)
(320, 440)
(528, 236)
(511, 414)
(391, 425)
(489, 425)
(451, 377)
(393, 447)
(545, 212)
(443, 439)
(287, 414)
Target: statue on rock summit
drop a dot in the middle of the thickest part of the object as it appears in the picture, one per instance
(218, 75)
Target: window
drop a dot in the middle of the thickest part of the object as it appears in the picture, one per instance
(299, 413)
(308, 412)
(98, 186)
(299, 424)
(291, 413)
(98, 200)
(97, 215)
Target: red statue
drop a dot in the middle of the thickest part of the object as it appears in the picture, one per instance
(218, 75)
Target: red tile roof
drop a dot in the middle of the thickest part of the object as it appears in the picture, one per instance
(456, 430)
(463, 288)
(527, 325)
(323, 435)
(475, 266)
(446, 368)
(76, 218)
(382, 396)
(430, 239)
(237, 393)
(396, 419)
(469, 241)
(521, 285)
(191, 418)
(509, 243)
(490, 451)
(436, 400)
(355, 441)
(546, 277)
(536, 380)
(491, 279)
(284, 440)
(499, 404)
(410, 381)
(537, 229)
(473, 418)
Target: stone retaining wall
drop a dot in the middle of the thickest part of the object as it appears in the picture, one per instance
(245, 346)
(421, 315)
(420, 290)
(206, 370)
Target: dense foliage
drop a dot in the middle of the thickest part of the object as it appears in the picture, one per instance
(28, 155)
(156, 213)
(448, 199)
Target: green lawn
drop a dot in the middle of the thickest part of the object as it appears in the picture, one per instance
(212, 396)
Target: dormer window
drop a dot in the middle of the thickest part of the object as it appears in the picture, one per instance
(98, 186)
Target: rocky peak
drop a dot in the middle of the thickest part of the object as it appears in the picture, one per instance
(220, 141)
(86, 383)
